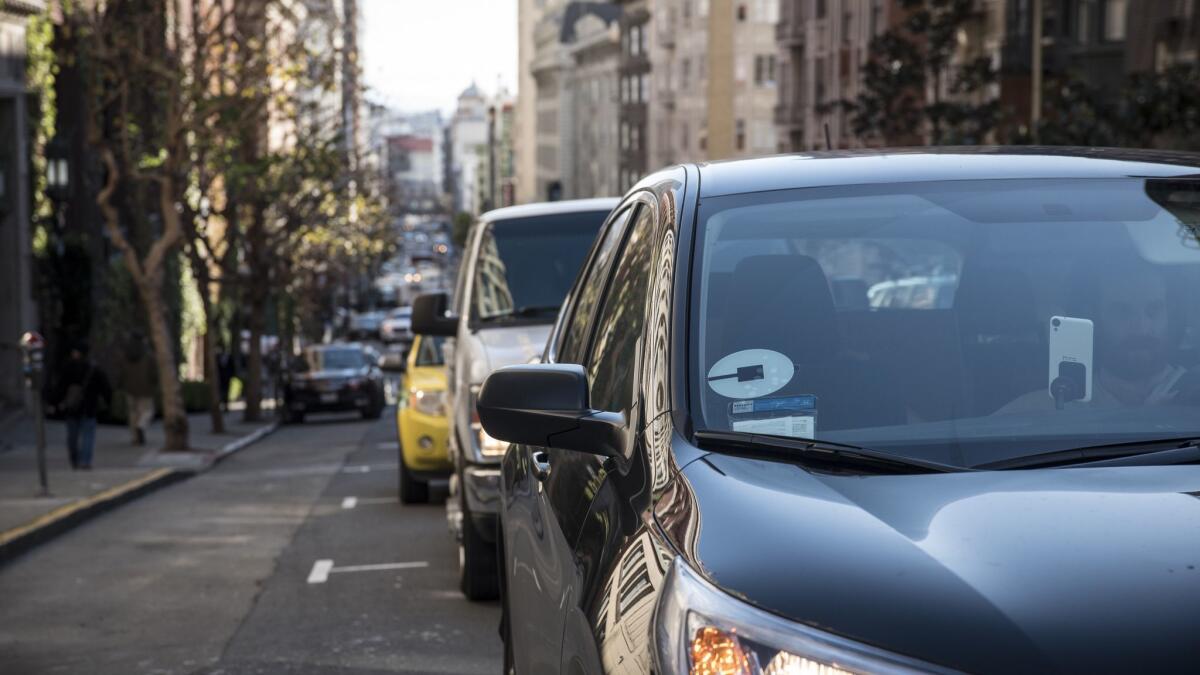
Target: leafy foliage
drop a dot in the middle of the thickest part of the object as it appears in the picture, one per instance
(910, 67)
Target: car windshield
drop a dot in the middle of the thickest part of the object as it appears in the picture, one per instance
(335, 359)
(961, 322)
(526, 265)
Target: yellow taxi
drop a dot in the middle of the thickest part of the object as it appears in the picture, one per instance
(421, 421)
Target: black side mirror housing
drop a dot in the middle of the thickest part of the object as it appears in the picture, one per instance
(429, 316)
(547, 405)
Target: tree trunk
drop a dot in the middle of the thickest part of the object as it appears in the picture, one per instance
(211, 374)
(254, 381)
(175, 421)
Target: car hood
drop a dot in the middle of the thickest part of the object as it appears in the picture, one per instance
(1056, 569)
(508, 346)
(430, 378)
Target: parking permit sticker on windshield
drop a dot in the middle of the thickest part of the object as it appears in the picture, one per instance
(794, 416)
(750, 373)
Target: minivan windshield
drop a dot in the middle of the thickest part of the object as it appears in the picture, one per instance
(961, 322)
(526, 266)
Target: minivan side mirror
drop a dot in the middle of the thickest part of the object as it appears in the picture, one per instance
(546, 405)
(429, 316)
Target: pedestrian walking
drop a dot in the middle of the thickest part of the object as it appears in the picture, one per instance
(139, 382)
(81, 386)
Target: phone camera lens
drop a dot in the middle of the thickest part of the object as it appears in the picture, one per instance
(1056, 323)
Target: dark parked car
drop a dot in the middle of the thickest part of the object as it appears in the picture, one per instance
(335, 378)
(723, 465)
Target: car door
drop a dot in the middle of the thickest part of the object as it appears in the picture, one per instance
(613, 368)
(543, 489)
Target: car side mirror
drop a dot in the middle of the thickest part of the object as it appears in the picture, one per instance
(429, 316)
(547, 405)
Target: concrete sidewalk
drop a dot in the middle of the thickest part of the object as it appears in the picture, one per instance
(121, 472)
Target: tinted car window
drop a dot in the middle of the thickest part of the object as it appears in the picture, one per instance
(525, 266)
(940, 319)
(619, 324)
(574, 340)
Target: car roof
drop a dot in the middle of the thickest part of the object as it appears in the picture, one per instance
(905, 165)
(551, 208)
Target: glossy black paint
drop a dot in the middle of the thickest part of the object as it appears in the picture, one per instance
(1092, 569)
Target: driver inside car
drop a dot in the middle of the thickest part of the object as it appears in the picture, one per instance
(1134, 335)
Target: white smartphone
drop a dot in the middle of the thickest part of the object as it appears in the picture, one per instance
(1070, 358)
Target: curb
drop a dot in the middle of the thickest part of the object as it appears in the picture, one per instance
(49, 525)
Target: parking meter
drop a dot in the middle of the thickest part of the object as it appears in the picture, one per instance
(33, 349)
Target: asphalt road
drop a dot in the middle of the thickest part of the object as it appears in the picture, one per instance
(221, 573)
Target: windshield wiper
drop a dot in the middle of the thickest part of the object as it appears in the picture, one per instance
(524, 312)
(1129, 453)
(830, 452)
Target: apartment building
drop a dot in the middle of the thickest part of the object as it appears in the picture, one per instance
(591, 33)
(17, 309)
(822, 46)
(635, 99)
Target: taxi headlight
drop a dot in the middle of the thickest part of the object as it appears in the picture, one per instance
(429, 402)
(701, 630)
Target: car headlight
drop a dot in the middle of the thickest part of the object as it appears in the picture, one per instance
(429, 402)
(487, 446)
(701, 630)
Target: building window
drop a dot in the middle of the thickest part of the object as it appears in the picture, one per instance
(685, 67)
(741, 135)
(741, 12)
(876, 16)
(820, 9)
(687, 10)
(1114, 20)
(624, 136)
(1083, 22)
(635, 137)
(847, 26)
(684, 141)
(641, 89)
(703, 4)
(764, 70)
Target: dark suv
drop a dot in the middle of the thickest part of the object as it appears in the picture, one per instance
(867, 412)
(334, 378)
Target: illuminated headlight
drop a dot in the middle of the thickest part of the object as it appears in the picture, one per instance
(700, 630)
(488, 446)
(429, 402)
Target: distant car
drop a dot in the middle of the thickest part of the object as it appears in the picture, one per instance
(422, 421)
(393, 358)
(397, 327)
(335, 378)
(366, 324)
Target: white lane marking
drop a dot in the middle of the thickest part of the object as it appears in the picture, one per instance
(381, 566)
(366, 468)
(320, 572)
(349, 502)
(388, 445)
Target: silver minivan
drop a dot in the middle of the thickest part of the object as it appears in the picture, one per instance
(518, 264)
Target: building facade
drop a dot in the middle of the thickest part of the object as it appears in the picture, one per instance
(468, 131)
(594, 44)
(17, 308)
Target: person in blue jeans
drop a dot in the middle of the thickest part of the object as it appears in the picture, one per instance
(81, 386)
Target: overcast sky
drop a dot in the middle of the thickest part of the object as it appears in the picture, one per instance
(420, 54)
